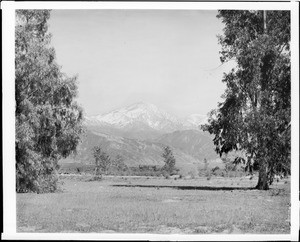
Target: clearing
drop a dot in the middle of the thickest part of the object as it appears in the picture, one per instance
(157, 205)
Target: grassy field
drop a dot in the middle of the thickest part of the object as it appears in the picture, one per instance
(157, 205)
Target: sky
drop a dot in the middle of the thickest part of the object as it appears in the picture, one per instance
(169, 58)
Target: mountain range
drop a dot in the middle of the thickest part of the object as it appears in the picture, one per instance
(141, 121)
(139, 132)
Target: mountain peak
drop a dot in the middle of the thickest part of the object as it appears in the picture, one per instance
(137, 114)
(143, 117)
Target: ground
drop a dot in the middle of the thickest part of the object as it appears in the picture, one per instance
(157, 205)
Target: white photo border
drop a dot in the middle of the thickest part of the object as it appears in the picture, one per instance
(9, 198)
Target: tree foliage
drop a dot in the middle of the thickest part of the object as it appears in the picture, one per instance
(48, 120)
(256, 112)
(119, 164)
(102, 161)
(169, 160)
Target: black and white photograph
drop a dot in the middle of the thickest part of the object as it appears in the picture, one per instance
(154, 121)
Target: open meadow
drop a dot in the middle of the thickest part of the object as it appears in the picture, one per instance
(157, 205)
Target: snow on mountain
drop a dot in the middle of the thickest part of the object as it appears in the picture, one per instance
(142, 118)
(138, 113)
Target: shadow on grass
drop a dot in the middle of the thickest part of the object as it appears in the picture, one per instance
(205, 188)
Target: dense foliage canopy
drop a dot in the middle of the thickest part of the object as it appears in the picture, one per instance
(48, 120)
(256, 112)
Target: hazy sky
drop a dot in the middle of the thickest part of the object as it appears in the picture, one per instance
(165, 57)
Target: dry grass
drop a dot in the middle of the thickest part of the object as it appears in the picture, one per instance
(161, 207)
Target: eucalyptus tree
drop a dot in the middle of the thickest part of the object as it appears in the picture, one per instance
(255, 113)
(48, 120)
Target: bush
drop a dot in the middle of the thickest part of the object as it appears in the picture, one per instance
(146, 170)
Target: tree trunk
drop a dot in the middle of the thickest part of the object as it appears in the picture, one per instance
(263, 183)
(97, 171)
(98, 174)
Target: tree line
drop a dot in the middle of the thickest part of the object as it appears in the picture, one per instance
(103, 163)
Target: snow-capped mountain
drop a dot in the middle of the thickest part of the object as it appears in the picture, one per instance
(140, 131)
(141, 120)
(138, 113)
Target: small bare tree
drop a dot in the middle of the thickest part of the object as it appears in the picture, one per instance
(102, 162)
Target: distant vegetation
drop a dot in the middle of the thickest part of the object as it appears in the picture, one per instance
(169, 159)
(119, 168)
(188, 148)
(102, 162)
(146, 170)
(116, 170)
(104, 165)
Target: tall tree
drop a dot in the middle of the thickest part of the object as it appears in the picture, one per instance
(256, 112)
(169, 160)
(48, 120)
